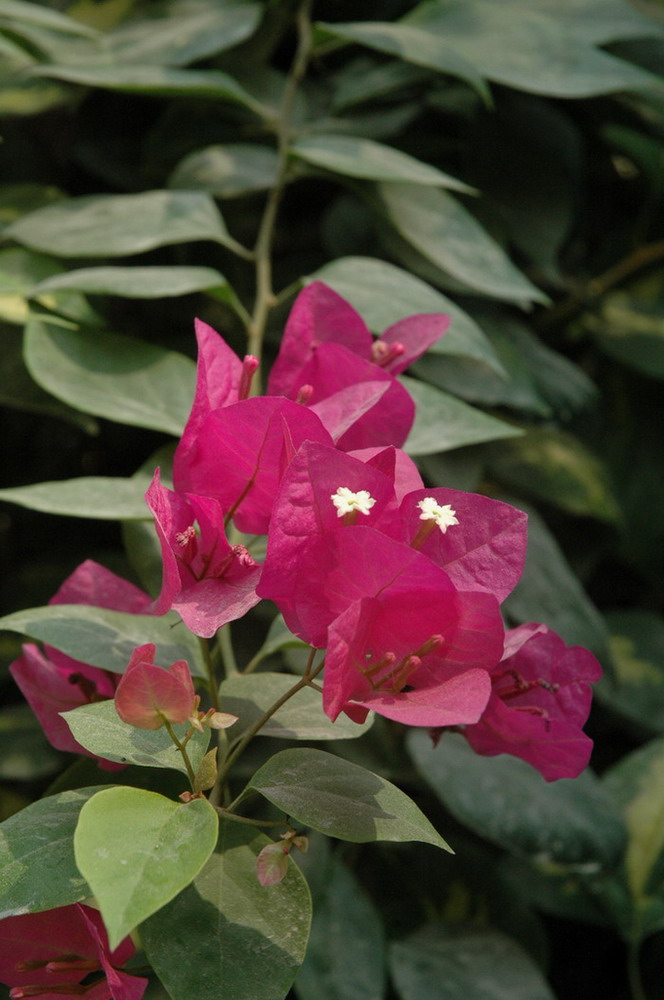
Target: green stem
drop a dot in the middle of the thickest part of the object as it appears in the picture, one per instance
(227, 654)
(634, 972)
(182, 747)
(211, 678)
(265, 299)
(225, 814)
(248, 736)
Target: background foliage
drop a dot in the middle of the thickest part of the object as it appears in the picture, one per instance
(498, 160)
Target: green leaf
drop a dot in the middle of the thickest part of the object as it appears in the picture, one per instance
(100, 497)
(445, 233)
(555, 466)
(540, 48)
(105, 638)
(137, 850)
(472, 962)
(363, 158)
(226, 935)
(135, 282)
(19, 270)
(636, 690)
(637, 785)
(443, 422)
(301, 718)
(99, 729)
(37, 867)
(109, 375)
(159, 81)
(630, 328)
(423, 48)
(341, 799)
(13, 11)
(346, 953)
(549, 591)
(118, 225)
(566, 822)
(227, 171)
(384, 294)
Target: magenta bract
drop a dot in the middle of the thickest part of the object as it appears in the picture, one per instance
(539, 701)
(208, 581)
(62, 947)
(53, 682)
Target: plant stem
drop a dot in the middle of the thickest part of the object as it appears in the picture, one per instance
(258, 725)
(225, 814)
(634, 973)
(227, 655)
(183, 750)
(211, 678)
(265, 298)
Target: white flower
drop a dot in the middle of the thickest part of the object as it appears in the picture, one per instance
(444, 517)
(346, 501)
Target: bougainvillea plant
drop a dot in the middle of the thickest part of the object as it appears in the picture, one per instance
(392, 587)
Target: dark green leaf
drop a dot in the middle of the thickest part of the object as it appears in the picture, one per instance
(443, 231)
(636, 689)
(474, 963)
(301, 718)
(630, 328)
(135, 282)
(118, 225)
(226, 935)
(37, 867)
(109, 375)
(99, 729)
(137, 850)
(566, 822)
(25, 753)
(370, 160)
(227, 171)
(443, 422)
(341, 799)
(91, 496)
(105, 638)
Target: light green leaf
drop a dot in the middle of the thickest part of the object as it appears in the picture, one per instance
(637, 785)
(472, 962)
(346, 953)
(630, 328)
(227, 171)
(113, 376)
(99, 729)
(383, 294)
(423, 48)
(137, 850)
(556, 467)
(550, 592)
(118, 225)
(160, 81)
(443, 231)
(341, 799)
(301, 718)
(13, 11)
(105, 638)
(37, 867)
(227, 936)
(443, 422)
(567, 822)
(370, 160)
(636, 690)
(100, 497)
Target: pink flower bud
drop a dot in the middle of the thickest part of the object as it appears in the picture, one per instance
(149, 695)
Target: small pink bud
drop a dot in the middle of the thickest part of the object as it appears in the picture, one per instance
(272, 863)
(149, 695)
(249, 368)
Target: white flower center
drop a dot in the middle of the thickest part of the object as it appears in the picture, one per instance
(444, 517)
(346, 501)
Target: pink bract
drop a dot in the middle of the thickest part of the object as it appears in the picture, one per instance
(540, 699)
(53, 682)
(208, 581)
(147, 694)
(57, 938)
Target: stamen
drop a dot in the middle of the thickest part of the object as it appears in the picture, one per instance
(74, 963)
(383, 354)
(241, 553)
(249, 368)
(386, 661)
(64, 989)
(88, 689)
(348, 502)
(443, 516)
